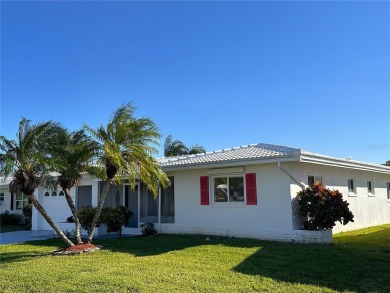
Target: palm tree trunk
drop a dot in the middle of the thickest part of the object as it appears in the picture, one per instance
(74, 213)
(42, 211)
(99, 208)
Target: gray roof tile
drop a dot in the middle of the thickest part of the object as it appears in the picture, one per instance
(247, 152)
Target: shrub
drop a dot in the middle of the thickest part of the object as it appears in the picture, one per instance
(115, 218)
(70, 219)
(27, 212)
(10, 219)
(86, 215)
(148, 229)
(322, 208)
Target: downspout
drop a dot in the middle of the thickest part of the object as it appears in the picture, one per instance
(295, 180)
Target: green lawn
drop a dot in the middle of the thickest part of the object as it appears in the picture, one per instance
(357, 262)
(11, 228)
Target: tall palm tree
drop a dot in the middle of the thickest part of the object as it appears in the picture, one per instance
(76, 153)
(29, 159)
(128, 146)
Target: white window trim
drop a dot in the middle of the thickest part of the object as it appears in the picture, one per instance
(227, 204)
(371, 194)
(24, 199)
(354, 192)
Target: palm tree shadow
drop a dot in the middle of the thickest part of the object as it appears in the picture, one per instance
(340, 266)
(160, 244)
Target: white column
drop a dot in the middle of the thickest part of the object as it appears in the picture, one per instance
(95, 193)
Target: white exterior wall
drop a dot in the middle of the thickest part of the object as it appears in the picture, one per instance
(270, 219)
(6, 204)
(58, 208)
(368, 210)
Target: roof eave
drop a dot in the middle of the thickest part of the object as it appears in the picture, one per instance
(349, 165)
(233, 163)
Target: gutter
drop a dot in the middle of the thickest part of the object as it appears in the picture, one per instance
(295, 180)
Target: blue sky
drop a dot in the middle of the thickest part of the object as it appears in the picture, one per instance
(311, 75)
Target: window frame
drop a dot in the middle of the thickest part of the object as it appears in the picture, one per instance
(24, 200)
(388, 191)
(228, 202)
(315, 176)
(353, 191)
(370, 188)
(2, 196)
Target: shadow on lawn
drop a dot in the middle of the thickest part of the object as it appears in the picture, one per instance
(346, 265)
(160, 244)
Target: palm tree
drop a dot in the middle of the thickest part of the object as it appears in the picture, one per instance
(29, 159)
(196, 149)
(174, 147)
(178, 148)
(76, 152)
(128, 146)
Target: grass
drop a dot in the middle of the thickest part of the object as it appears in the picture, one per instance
(12, 228)
(356, 262)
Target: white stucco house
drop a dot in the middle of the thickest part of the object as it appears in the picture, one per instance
(246, 191)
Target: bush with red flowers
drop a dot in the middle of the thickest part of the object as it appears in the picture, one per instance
(322, 208)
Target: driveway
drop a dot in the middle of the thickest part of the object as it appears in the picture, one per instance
(25, 235)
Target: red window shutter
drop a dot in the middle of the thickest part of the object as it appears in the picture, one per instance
(251, 192)
(204, 190)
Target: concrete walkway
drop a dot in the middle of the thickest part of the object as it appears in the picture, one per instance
(25, 235)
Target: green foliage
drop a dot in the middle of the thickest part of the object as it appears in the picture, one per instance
(148, 229)
(70, 219)
(387, 163)
(10, 219)
(178, 148)
(115, 218)
(322, 208)
(86, 215)
(27, 211)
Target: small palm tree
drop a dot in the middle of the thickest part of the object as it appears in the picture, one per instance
(196, 149)
(174, 147)
(76, 152)
(29, 160)
(178, 148)
(128, 149)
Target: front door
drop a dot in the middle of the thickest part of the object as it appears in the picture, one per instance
(131, 202)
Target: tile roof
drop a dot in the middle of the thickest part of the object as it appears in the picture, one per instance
(262, 151)
(259, 151)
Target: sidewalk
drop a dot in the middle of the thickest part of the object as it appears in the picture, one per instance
(25, 235)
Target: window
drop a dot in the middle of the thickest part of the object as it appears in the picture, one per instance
(229, 189)
(168, 203)
(1, 196)
(313, 179)
(388, 190)
(351, 186)
(54, 193)
(61, 193)
(21, 200)
(47, 193)
(370, 188)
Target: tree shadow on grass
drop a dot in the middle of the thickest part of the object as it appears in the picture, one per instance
(345, 265)
(27, 250)
(164, 243)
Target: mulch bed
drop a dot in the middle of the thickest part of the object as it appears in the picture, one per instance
(77, 249)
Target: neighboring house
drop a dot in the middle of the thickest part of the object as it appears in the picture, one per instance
(246, 191)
